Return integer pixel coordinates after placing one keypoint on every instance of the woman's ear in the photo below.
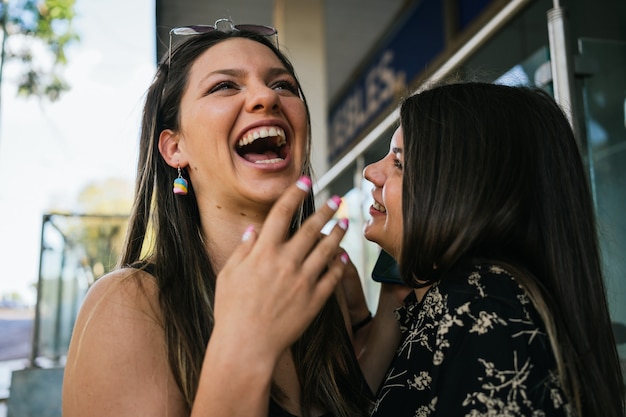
(169, 149)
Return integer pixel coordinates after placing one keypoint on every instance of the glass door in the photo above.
(602, 81)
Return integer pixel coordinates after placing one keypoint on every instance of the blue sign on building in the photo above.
(415, 41)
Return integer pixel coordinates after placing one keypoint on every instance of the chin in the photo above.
(379, 239)
(273, 185)
(270, 193)
(370, 234)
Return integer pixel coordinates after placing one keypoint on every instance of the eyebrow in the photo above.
(396, 150)
(240, 73)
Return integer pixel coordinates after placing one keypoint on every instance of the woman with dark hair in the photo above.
(484, 201)
(226, 121)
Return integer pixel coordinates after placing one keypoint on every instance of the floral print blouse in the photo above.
(475, 346)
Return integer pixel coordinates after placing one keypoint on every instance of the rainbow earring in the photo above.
(180, 184)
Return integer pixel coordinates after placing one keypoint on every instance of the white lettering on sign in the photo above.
(382, 82)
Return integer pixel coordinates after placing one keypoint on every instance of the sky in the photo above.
(50, 151)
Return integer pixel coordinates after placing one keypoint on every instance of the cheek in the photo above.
(395, 222)
(296, 114)
(395, 210)
(211, 116)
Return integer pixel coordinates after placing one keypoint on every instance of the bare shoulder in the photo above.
(126, 291)
(117, 362)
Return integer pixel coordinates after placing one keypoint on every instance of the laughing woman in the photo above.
(226, 121)
(484, 201)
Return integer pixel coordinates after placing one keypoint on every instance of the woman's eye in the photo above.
(224, 85)
(397, 163)
(286, 85)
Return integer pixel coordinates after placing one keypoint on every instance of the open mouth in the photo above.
(265, 145)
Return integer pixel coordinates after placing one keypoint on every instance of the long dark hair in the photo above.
(494, 172)
(325, 362)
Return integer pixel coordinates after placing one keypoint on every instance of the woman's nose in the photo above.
(373, 174)
(264, 98)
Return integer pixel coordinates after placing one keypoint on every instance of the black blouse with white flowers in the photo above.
(475, 346)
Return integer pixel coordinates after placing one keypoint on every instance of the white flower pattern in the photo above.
(475, 347)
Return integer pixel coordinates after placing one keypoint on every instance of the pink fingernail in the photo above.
(343, 223)
(334, 202)
(304, 183)
(345, 258)
(248, 233)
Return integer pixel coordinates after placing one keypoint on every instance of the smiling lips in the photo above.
(265, 145)
(379, 207)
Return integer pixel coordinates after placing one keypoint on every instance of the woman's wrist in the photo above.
(362, 323)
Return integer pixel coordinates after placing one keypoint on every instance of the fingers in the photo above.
(248, 234)
(279, 218)
(329, 280)
(325, 250)
(240, 253)
(305, 248)
(308, 236)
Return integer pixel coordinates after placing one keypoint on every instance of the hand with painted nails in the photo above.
(281, 282)
(275, 285)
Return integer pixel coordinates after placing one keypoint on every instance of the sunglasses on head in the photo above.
(222, 25)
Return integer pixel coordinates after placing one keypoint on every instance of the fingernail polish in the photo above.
(334, 202)
(304, 183)
(248, 233)
(343, 223)
(345, 258)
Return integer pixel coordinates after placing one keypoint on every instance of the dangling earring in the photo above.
(180, 184)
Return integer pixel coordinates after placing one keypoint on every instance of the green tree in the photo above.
(100, 230)
(32, 24)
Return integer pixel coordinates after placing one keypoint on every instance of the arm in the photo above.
(382, 336)
(116, 363)
(374, 343)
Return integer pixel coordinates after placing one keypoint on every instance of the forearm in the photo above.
(235, 381)
(378, 340)
(377, 345)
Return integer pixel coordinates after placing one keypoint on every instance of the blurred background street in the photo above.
(16, 328)
(16, 333)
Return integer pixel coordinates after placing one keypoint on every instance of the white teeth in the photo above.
(263, 133)
(269, 161)
(379, 207)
